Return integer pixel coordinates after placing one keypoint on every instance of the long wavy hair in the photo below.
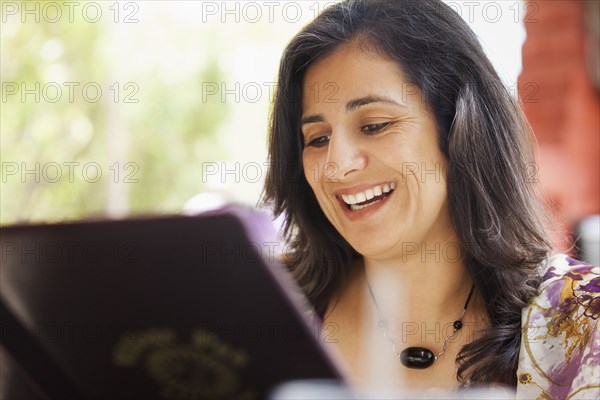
(484, 136)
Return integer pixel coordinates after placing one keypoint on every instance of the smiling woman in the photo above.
(393, 140)
(371, 130)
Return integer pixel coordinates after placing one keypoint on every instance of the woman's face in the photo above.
(371, 155)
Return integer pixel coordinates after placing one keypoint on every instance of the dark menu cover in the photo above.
(160, 308)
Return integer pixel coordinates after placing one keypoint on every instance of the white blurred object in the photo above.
(218, 194)
(332, 390)
(589, 232)
(202, 202)
(311, 389)
(501, 31)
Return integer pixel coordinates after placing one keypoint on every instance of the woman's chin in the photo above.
(373, 249)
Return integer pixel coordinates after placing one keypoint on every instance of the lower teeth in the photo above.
(356, 207)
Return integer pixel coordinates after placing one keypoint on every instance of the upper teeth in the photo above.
(368, 194)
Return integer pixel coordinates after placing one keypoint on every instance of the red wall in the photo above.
(563, 108)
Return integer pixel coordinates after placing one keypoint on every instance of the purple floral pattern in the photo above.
(560, 348)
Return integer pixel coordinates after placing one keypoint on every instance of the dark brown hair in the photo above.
(484, 136)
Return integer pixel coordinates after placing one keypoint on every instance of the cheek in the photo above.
(307, 171)
(312, 171)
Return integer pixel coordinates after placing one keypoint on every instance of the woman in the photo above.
(395, 148)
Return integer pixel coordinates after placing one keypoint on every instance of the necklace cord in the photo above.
(469, 297)
(382, 323)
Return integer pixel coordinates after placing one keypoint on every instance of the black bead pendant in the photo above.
(417, 357)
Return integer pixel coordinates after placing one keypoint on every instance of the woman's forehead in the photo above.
(350, 72)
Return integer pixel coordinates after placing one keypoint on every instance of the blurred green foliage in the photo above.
(148, 132)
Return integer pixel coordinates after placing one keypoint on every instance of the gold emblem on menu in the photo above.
(205, 368)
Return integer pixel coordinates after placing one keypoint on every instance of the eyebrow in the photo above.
(352, 105)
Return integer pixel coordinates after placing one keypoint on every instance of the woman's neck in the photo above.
(420, 303)
(430, 282)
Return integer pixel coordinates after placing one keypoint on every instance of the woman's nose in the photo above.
(345, 154)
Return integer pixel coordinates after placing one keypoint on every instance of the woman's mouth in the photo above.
(369, 197)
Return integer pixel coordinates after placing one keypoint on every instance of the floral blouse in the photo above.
(560, 347)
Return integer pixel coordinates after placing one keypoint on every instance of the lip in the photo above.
(359, 188)
(365, 212)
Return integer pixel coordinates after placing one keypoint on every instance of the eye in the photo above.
(319, 141)
(371, 129)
